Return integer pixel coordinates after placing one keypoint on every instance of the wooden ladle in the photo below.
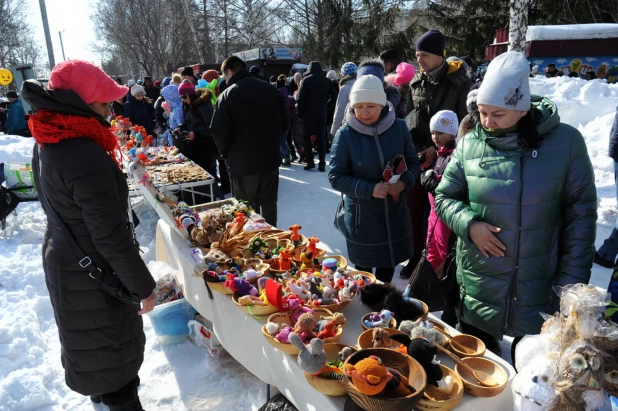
(483, 378)
(455, 343)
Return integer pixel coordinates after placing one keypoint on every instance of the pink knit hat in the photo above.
(87, 80)
(186, 88)
(404, 74)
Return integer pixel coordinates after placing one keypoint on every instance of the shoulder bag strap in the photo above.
(84, 261)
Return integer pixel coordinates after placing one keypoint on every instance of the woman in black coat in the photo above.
(102, 338)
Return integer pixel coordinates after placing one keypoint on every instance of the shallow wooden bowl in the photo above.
(255, 310)
(301, 249)
(284, 318)
(472, 386)
(425, 310)
(468, 341)
(343, 262)
(402, 363)
(392, 324)
(333, 388)
(283, 235)
(440, 401)
(366, 338)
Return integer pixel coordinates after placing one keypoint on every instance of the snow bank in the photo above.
(572, 32)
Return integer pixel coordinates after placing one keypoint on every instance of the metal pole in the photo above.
(62, 46)
(50, 49)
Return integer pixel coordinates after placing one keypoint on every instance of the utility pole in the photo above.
(62, 45)
(50, 49)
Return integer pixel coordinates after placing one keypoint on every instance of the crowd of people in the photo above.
(484, 181)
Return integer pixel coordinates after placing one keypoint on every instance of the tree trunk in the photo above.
(206, 53)
(226, 37)
(518, 25)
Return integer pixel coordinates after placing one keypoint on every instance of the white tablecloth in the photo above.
(241, 335)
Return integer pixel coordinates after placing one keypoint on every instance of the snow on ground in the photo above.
(184, 376)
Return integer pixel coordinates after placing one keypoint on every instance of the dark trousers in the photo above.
(384, 274)
(122, 396)
(317, 127)
(224, 176)
(262, 188)
(418, 206)
(203, 154)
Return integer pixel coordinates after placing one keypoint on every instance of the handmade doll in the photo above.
(304, 327)
(296, 239)
(312, 245)
(247, 300)
(383, 320)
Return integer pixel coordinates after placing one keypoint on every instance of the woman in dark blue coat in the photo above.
(377, 229)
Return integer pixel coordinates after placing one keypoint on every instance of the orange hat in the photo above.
(87, 80)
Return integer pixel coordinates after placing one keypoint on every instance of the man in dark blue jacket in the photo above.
(606, 255)
(15, 116)
(317, 94)
(249, 120)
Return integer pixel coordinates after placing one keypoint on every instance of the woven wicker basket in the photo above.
(437, 401)
(402, 363)
(255, 310)
(284, 318)
(333, 388)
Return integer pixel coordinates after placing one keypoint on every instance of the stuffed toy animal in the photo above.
(296, 308)
(304, 326)
(296, 239)
(531, 388)
(338, 318)
(385, 318)
(386, 296)
(217, 256)
(328, 291)
(306, 259)
(312, 359)
(315, 287)
(251, 274)
(248, 300)
(284, 334)
(240, 286)
(381, 338)
(297, 287)
(317, 301)
(425, 353)
(334, 368)
(371, 377)
(422, 329)
(285, 260)
(347, 293)
(329, 330)
(329, 264)
(312, 245)
(212, 277)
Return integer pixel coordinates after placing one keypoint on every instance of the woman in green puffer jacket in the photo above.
(519, 193)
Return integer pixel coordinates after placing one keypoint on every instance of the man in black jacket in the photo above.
(250, 118)
(317, 94)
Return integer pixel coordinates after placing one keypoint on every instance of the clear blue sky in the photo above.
(72, 15)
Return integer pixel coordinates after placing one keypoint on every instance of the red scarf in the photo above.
(48, 127)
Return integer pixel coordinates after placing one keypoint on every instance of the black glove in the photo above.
(429, 181)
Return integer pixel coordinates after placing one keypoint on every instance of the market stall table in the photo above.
(240, 334)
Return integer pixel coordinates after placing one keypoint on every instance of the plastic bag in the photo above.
(20, 175)
(203, 336)
(583, 298)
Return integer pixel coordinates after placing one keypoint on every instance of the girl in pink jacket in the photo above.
(443, 126)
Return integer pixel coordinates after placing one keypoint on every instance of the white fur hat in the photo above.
(505, 84)
(444, 121)
(367, 89)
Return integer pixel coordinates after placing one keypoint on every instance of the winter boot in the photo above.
(310, 166)
(286, 162)
(322, 166)
(95, 398)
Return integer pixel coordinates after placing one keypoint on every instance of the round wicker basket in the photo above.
(284, 318)
(405, 365)
(255, 310)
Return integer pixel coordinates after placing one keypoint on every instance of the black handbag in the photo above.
(108, 279)
(426, 286)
